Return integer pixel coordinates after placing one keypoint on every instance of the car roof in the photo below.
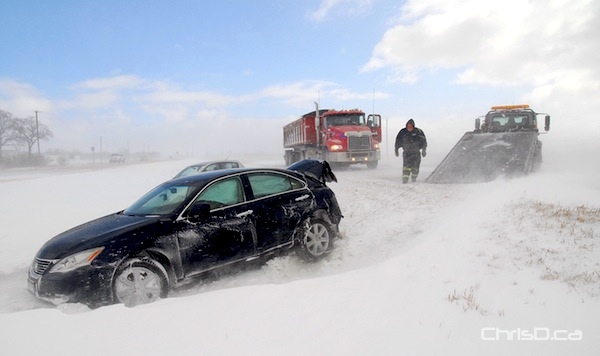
(206, 163)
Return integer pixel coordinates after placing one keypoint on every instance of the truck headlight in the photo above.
(336, 148)
(76, 260)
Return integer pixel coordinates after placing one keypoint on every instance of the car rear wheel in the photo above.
(316, 240)
(140, 281)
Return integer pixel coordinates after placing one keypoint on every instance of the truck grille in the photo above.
(359, 143)
(40, 266)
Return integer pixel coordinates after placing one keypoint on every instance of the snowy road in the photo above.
(420, 268)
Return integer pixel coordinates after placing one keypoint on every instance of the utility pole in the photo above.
(37, 133)
(373, 110)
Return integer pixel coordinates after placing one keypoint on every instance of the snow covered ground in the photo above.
(507, 267)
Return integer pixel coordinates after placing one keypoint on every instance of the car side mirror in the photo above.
(547, 123)
(198, 212)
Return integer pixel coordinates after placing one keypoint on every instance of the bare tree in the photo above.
(7, 133)
(29, 131)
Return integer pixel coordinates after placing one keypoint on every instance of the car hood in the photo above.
(92, 234)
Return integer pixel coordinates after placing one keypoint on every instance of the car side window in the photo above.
(222, 193)
(264, 184)
(230, 165)
(212, 167)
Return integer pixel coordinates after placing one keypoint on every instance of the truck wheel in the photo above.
(289, 158)
(340, 165)
(316, 240)
(537, 157)
(140, 280)
(372, 164)
(297, 157)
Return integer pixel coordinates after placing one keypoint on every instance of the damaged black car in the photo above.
(186, 227)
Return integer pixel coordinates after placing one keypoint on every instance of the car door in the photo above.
(224, 234)
(279, 203)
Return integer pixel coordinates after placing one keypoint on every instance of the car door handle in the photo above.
(245, 213)
(303, 197)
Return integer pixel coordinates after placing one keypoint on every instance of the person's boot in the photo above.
(405, 175)
(414, 178)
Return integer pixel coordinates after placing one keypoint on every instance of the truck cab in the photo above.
(351, 136)
(510, 118)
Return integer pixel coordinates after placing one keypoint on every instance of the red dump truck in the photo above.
(341, 137)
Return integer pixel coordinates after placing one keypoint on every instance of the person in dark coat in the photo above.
(414, 144)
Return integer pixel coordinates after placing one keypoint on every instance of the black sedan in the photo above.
(186, 227)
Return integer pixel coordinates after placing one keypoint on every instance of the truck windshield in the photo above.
(509, 121)
(343, 120)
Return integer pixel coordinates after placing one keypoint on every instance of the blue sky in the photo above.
(220, 78)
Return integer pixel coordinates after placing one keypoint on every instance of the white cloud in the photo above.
(111, 83)
(544, 53)
(191, 97)
(96, 100)
(346, 7)
(492, 43)
(21, 99)
(130, 111)
(305, 92)
(297, 93)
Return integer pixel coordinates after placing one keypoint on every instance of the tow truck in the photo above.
(505, 143)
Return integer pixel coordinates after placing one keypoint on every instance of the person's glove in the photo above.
(423, 152)
(396, 153)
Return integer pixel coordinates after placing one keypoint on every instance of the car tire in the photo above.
(316, 239)
(139, 280)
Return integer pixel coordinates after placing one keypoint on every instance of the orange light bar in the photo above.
(510, 107)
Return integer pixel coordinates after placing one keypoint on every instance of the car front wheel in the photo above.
(140, 281)
(316, 240)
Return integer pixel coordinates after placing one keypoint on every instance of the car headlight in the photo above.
(77, 260)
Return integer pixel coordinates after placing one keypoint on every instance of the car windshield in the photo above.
(191, 170)
(162, 200)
